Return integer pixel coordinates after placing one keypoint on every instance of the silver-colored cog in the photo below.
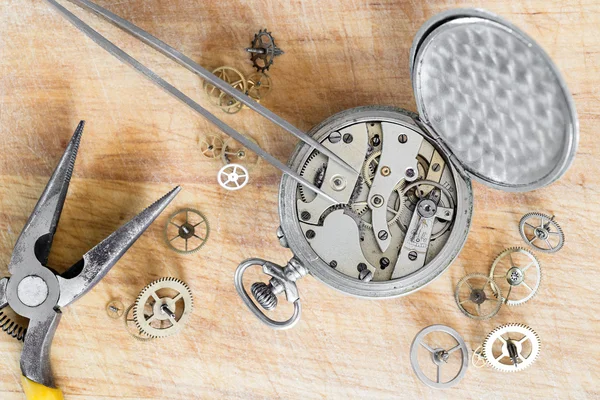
(511, 270)
(482, 305)
(439, 357)
(541, 232)
(163, 307)
(511, 347)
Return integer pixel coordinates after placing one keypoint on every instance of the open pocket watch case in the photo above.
(492, 107)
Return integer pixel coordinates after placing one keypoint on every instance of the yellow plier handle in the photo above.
(37, 391)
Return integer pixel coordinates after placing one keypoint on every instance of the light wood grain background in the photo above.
(139, 143)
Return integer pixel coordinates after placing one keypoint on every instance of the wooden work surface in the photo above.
(139, 143)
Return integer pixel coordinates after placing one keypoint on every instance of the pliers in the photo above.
(38, 293)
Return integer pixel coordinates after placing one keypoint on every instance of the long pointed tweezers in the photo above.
(212, 79)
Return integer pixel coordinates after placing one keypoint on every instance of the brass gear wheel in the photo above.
(131, 326)
(259, 86)
(511, 347)
(211, 146)
(186, 231)
(221, 99)
(163, 307)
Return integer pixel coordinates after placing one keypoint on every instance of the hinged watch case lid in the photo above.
(494, 99)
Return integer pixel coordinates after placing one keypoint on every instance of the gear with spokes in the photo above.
(131, 326)
(263, 50)
(259, 86)
(187, 230)
(511, 347)
(211, 146)
(233, 177)
(439, 356)
(163, 307)
(518, 273)
(541, 232)
(477, 296)
(221, 99)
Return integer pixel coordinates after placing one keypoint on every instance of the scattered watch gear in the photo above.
(233, 177)
(221, 99)
(259, 86)
(263, 50)
(478, 296)
(163, 307)
(235, 153)
(439, 356)
(13, 324)
(541, 232)
(211, 146)
(511, 347)
(517, 273)
(131, 326)
(115, 309)
(187, 230)
(477, 358)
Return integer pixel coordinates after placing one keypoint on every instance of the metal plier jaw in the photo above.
(38, 293)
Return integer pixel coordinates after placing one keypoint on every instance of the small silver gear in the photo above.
(511, 347)
(439, 356)
(163, 307)
(186, 231)
(541, 232)
(512, 270)
(482, 305)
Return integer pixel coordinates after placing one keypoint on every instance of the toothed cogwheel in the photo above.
(518, 273)
(476, 296)
(511, 347)
(541, 232)
(263, 50)
(186, 231)
(163, 307)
